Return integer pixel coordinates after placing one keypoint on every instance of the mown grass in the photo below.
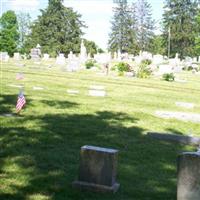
(39, 150)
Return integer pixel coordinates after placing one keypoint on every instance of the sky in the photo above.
(97, 14)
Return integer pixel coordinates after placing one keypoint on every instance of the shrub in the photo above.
(90, 63)
(146, 62)
(123, 67)
(168, 77)
(144, 71)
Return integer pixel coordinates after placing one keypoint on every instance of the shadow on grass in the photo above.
(42, 162)
(59, 104)
(8, 103)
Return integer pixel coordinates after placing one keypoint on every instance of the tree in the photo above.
(122, 36)
(57, 30)
(156, 45)
(179, 18)
(24, 23)
(197, 38)
(9, 36)
(145, 24)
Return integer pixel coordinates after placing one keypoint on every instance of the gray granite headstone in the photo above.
(188, 185)
(98, 169)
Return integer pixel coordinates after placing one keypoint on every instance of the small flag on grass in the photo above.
(19, 76)
(21, 101)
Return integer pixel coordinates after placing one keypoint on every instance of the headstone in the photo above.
(157, 59)
(73, 92)
(97, 93)
(60, 60)
(17, 56)
(45, 57)
(37, 88)
(185, 104)
(4, 56)
(83, 54)
(73, 65)
(35, 54)
(98, 169)
(188, 184)
(193, 117)
(165, 69)
(70, 55)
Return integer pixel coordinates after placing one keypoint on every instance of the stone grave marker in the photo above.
(72, 92)
(45, 57)
(17, 56)
(60, 60)
(98, 169)
(193, 117)
(185, 104)
(73, 65)
(188, 184)
(37, 88)
(35, 54)
(4, 56)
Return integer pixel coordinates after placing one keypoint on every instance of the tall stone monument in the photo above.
(83, 54)
(98, 169)
(36, 53)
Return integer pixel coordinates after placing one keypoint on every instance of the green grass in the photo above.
(39, 150)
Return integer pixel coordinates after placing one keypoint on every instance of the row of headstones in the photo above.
(98, 171)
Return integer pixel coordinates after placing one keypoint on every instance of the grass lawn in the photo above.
(39, 150)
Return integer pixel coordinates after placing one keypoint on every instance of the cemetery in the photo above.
(79, 122)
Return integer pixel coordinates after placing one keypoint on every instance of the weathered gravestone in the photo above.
(98, 169)
(4, 56)
(35, 54)
(17, 56)
(60, 60)
(188, 184)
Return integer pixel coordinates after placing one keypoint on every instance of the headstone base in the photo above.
(95, 187)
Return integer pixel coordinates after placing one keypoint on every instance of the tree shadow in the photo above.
(59, 104)
(48, 157)
(8, 103)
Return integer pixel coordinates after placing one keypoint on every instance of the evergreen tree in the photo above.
(122, 36)
(57, 30)
(145, 24)
(157, 45)
(24, 23)
(9, 36)
(179, 18)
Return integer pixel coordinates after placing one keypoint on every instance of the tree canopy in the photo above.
(9, 36)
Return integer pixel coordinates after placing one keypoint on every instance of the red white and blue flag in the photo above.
(21, 101)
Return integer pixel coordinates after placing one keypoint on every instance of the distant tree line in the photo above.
(59, 29)
(133, 28)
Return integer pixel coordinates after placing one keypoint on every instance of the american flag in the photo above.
(21, 101)
(19, 76)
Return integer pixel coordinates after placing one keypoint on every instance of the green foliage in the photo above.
(57, 30)
(91, 47)
(146, 62)
(179, 16)
(144, 71)
(9, 36)
(145, 25)
(122, 36)
(168, 77)
(123, 67)
(24, 22)
(157, 45)
(90, 63)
